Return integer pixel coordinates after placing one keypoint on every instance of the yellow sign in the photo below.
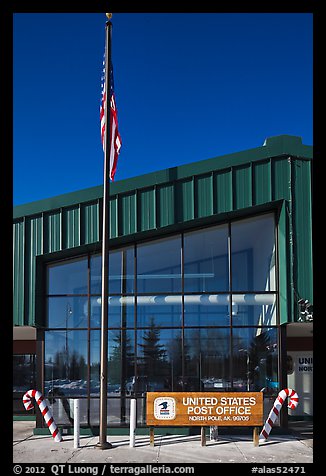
(204, 408)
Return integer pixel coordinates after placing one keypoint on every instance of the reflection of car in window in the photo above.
(143, 384)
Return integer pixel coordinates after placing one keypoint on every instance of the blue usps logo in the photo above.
(164, 408)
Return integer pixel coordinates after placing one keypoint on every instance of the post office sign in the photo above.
(204, 408)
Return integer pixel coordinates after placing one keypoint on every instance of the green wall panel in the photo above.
(223, 191)
(127, 214)
(89, 222)
(52, 232)
(165, 207)
(303, 224)
(113, 217)
(204, 195)
(262, 183)
(146, 209)
(34, 247)
(71, 227)
(18, 272)
(184, 201)
(242, 187)
(281, 179)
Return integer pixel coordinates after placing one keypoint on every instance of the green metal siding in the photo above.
(222, 185)
(242, 187)
(184, 193)
(281, 179)
(303, 224)
(262, 191)
(89, 222)
(71, 227)
(147, 209)
(204, 195)
(165, 207)
(18, 272)
(128, 214)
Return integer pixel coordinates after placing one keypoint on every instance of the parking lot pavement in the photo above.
(30, 448)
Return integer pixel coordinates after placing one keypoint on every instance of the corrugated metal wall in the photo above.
(160, 205)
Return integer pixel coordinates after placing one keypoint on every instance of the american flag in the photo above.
(115, 139)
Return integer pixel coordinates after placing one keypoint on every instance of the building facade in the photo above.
(210, 286)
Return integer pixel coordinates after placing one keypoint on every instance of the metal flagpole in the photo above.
(103, 443)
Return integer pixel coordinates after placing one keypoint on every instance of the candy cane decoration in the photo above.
(273, 414)
(44, 409)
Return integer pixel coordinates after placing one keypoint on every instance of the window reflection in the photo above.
(65, 363)
(255, 360)
(158, 360)
(120, 312)
(207, 312)
(160, 309)
(68, 277)
(121, 272)
(159, 266)
(206, 260)
(253, 254)
(67, 312)
(207, 360)
(254, 309)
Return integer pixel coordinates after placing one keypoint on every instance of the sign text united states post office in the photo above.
(204, 408)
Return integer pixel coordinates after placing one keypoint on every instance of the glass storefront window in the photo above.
(207, 360)
(206, 260)
(255, 359)
(159, 266)
(67, 312)
(68, 277)
(120, 312)
(253, 309)
(121, 360)
(164, 311)
(158, 360)
(121, 272)
(253, 254)
(65, 363)
(183, 321)
(206, 310)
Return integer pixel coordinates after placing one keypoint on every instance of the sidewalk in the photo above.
(295, 447)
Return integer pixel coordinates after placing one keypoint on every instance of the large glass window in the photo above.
(183, 315)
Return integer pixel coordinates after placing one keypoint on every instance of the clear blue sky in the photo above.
(189, 86)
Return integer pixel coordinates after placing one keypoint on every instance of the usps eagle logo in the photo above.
(164, 408)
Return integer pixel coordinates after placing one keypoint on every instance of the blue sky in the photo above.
(189, 86)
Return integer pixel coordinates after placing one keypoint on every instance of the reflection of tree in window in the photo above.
(263, 362)
(121, 359)
(154, 358)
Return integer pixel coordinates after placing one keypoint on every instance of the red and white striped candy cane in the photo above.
(44, 409)
(273, 414)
